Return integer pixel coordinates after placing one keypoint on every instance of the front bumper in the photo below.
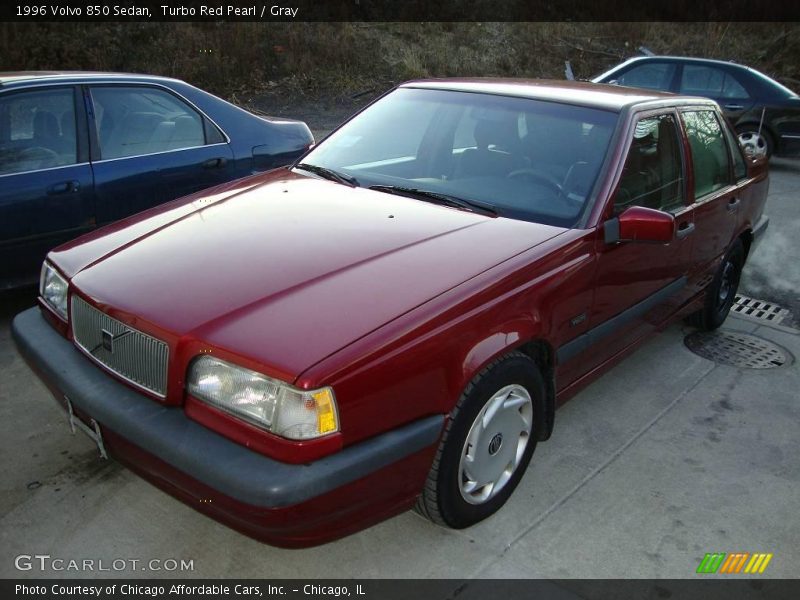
(279, 503)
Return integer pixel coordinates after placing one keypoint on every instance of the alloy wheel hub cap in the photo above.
(755, 143)
(495, 444)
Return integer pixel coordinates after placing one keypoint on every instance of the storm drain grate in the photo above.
(759, 309)
(737, 349)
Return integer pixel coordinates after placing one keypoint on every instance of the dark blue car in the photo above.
(78, 150)
(765, 113)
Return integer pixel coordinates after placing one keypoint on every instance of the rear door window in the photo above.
(739, 166)
(731, 88)
(37, 130)
(710, 158)
(134, 121)
(698, 80)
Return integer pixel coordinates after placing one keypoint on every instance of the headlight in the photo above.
(262, 401)
(53, 290)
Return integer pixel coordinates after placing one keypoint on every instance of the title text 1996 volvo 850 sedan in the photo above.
(393, 320)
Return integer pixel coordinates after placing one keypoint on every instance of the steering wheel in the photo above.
(547, 180)
(550, 182)
(45, 156)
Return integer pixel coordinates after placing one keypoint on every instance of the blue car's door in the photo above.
(46, 186)
(717, 84)
(150, 145)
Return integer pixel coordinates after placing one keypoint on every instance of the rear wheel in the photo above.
(722, 291)
(487, 444)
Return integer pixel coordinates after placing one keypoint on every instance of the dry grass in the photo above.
(337, 60)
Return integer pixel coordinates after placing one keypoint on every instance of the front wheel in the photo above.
(721, 293)
(487, 444)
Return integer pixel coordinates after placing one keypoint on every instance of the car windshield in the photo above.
(519, 158)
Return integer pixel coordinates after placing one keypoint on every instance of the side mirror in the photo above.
(640, 224)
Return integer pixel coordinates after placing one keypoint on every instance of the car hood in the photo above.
(286, 272)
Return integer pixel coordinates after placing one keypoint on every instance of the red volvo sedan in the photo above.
(392, 321)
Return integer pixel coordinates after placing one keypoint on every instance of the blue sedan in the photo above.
(78, 150)
(765, 113)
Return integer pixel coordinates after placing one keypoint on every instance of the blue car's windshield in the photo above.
(526, 159)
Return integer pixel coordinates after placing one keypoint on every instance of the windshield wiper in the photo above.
(329, 174)
(437, 198)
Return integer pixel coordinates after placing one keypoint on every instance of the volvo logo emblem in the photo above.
(495, 443)
(107, 340)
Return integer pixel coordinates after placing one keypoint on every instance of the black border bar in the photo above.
(397, 10)
(699, 588)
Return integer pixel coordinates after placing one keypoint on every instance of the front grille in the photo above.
(134, 356)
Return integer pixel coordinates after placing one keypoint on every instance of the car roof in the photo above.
(754, 75)
(687, 60)
(580, 93)
(9, 78)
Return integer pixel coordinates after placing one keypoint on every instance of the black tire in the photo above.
(441, 500)
(750, 131)
(722, 291)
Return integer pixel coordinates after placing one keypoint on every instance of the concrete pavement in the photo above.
(774, 272)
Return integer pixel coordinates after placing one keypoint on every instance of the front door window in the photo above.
(651, 76)
(37, 130)
(653, 174)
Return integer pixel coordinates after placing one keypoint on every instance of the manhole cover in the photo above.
(737, 349)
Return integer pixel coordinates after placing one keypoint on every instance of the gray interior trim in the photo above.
(583, 341)
(167, 433)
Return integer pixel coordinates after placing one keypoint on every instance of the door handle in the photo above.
(684, 229)
(64, 187)
(734, 106)
(733, 204)
(214, 163)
